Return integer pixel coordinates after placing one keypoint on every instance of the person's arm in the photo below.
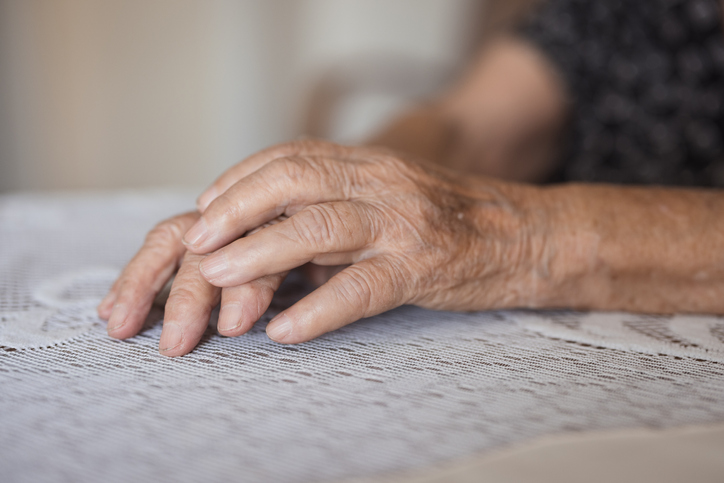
(653, 250)
(504, 118)
(417, 234)
(411, 233)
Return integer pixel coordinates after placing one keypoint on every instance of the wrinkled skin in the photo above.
(376, 229)
(391, 231)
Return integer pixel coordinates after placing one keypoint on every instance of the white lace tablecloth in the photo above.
(402, 390)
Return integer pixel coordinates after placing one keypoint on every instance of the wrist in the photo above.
(537, 248)
(563, 250)
(520, 247)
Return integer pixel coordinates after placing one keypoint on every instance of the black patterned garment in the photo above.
(646, 80)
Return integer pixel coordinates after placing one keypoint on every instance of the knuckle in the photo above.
(315, 228)
(220, 185)
(395, 169)
(345, 178)
(168, 232)
(184, 296)
(136, 275)
(356, 288)
(135, 292)
(271, 282)
(292, 168)
(226, 208)
(316, 172)
(398, 279)
(181, 296)
(265, 293)
(263, 299)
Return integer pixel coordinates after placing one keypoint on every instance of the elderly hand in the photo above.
(410, 234)
(407, 234)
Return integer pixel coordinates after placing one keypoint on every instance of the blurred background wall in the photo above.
(114, 94)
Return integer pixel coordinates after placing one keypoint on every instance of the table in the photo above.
(399, 391)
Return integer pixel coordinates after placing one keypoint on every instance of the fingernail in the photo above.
(171, 337)
(213, 265)
(279, 328)
(197, 234)
(118, 318)
(206, 198)
(230, 317)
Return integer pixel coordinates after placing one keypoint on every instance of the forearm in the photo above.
(503, 118)
(650, 250)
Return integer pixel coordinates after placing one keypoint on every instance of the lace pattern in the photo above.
(405, 389)
(680, 336)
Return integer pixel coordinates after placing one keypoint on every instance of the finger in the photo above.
(364, 289)
(283, 186)
(145, 275)
(188, 309)
(243, 305)
(105, 308)
(302, 147)
(329, 233)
